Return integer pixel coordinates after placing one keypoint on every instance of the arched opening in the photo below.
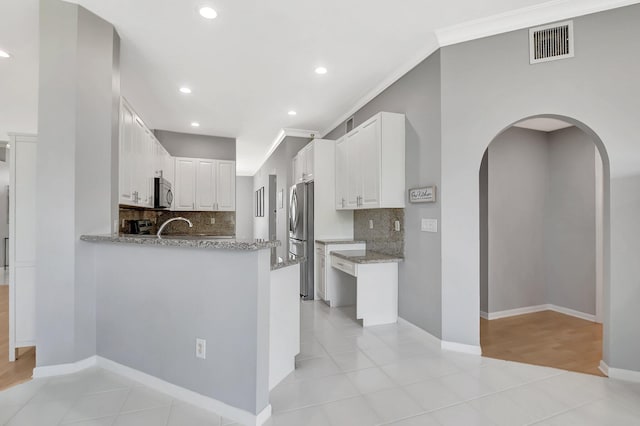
(543, 204)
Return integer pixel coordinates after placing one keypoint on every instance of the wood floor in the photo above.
(545, 338)
(12, 373)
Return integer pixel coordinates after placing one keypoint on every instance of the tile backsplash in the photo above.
(225, 222)
(383, 237)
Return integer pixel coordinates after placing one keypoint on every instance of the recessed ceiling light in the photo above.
(195, 124)
(4, 54)
(185, 90)
(292, 113)
(321, 70)
(208, 12)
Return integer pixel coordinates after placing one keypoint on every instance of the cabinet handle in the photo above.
(343, 202)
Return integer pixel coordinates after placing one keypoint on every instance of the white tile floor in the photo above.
(347, 375)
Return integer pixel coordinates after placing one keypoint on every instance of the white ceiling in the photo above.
(256, 61)
(543, 124)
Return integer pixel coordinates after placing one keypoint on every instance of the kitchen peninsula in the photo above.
(155, 297)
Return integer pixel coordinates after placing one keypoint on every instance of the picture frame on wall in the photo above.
(425, 194)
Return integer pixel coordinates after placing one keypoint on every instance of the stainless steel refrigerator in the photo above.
(301, 241)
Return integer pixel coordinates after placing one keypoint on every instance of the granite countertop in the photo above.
(197, 241)
(339, 241)
(288, 262)
(366, 256)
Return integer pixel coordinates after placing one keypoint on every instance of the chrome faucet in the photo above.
(172, 220)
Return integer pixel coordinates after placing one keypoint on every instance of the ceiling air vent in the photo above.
(551, 42)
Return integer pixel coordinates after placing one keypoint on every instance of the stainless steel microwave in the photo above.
(162, 195)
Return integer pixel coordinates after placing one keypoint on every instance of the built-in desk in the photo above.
(376, 284)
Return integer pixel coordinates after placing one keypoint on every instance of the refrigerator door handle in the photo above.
(293, 220)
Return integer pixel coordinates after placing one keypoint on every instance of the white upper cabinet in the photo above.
(185, 187)
(341, 173)
(226, 185)
(370, 164)
(127, 155)
(205, 185)
(302, 165)
(141, 159)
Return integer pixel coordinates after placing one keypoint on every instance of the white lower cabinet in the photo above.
(331, 285)
(321, 287)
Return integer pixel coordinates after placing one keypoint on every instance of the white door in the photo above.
(354, 167)
(22, 242)
(341, 174)
(185, 189)
(127, 154)
(205, 184)
(226, 185)
(369, 146)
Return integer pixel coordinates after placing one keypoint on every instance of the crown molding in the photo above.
(431, 47)
(282, 134)
(544, 13)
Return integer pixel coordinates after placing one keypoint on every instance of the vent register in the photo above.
(551, 42)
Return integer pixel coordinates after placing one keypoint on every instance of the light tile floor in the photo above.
(347, 375)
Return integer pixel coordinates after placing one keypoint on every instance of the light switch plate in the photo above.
(397, 225)
(201, 348)
(429, 225)
(213, 220)
(370, 224)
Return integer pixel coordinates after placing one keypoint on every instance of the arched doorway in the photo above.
(542, 207)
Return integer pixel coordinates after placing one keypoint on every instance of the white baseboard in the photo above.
(604, 368)
(444, 345)
(573, 313)
(517, 311)
(619, 373)
(186, 395)
(62, 369)
(537, 308)
(461, 347)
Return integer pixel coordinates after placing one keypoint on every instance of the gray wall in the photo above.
(540, 221)
(147, 322)
(596, 90)
(518, 180)
(244, 207)
(197, 146)
(75, 173)
(570, 231)
(417, 95)
(279, 164)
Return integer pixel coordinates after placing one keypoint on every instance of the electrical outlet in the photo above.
(370, 224)
(201, 348)
(429, 225)
(397, 225)
(213, 220)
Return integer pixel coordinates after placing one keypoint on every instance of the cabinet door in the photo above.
(369, 153)
(341, 173)
(297, 168)
(127, 154)
(185, 190)
(320, 277)
(226, 186)
(139, 171)
(354, 170)
(307, 174)
(149, 163)
(205, 184)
